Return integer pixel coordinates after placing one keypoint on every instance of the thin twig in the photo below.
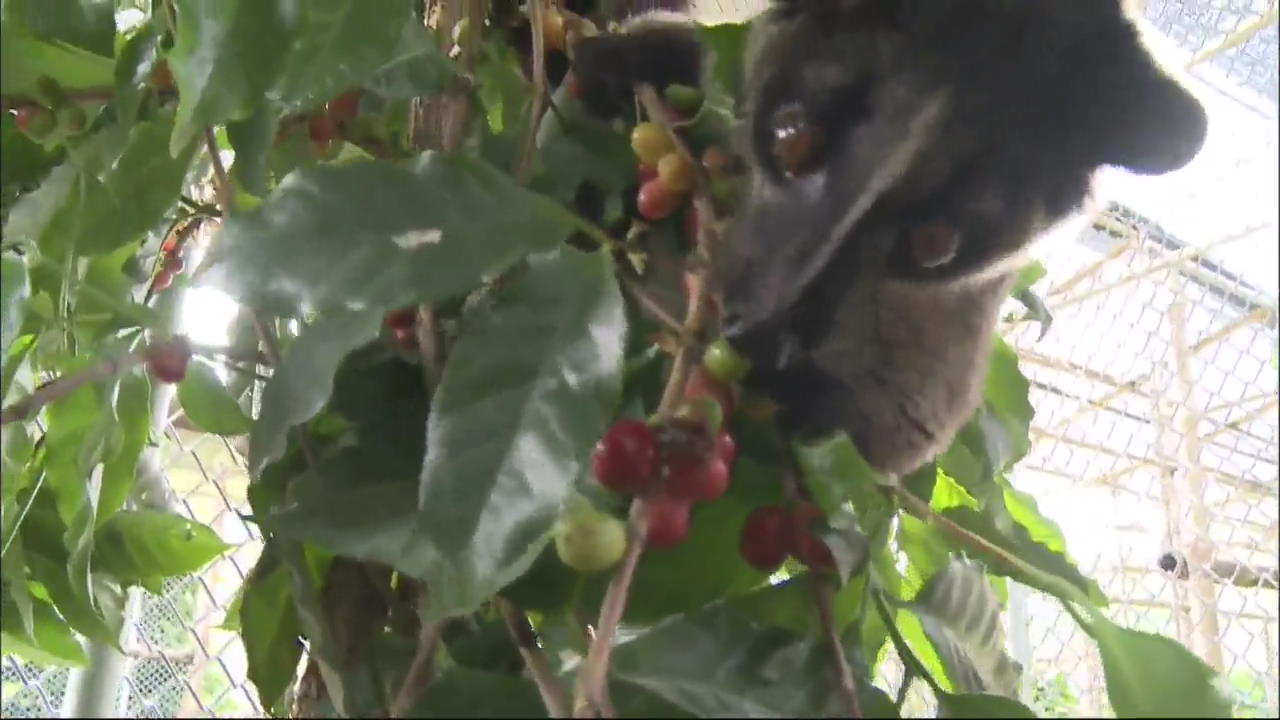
(221, 183)
(537, 11)
(553, 694)
(429, 347)
(651, 305)
(58, 388)
(824, 598)
(905, 653)
(420, 670)
(590, 695)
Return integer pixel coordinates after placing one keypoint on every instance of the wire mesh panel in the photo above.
(1155, 445)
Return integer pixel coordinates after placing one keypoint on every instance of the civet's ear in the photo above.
(1147, 122)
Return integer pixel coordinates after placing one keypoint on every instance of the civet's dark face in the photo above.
(926, 140)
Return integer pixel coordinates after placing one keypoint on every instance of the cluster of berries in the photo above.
(679, 462)
(325, 125)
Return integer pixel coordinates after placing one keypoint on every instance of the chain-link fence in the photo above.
(183, 662)
(1155, 448)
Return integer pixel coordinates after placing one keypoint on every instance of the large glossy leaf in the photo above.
(564, 315)
(1009, 406)
(269, 627)
(338, 44)
(52, 641)
(835, 473)
(375, 235)
(23, 59)
(151, 543)
(208, 404)
(301, 384)
(78, 425)
(74, 604)
(961, 615)
(223, 62)
(1154, 676)
(132, 428)
(418, 67)
(252, 138)
(135, 59)
(462, 692)
(996, 526)
(529, 388)
(716, 663)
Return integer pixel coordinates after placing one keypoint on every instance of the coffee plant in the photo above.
(501, 461)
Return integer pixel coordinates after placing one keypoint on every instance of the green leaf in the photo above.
(14, 290)
(31, 216)
(103, 208)
(135, 60)
(74, 604)
(23, 59)
(87, 24)
(576, 152)
(269, 628)
(1037, 310)
(981, 705)
(716, 663)
(727, 44)
(317, 50)
(961, 616)
(1028, 276)
(208, 404)
(300, 385)
(529, 388)
(225, 57)
(52, 641)
(995, 525)
(132, 428)
(1008, 403)
(1154, 676)
(789, 604)
(78, 425)
(374, 235)
(336, 45)
(926, 549)
(948, 494)
(461, 692)
(151, 543)
(418, 67)
(835, 472)
(251, 139)
(104, 303)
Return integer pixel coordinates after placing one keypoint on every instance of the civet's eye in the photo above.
(933, 244)
(796, 140)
